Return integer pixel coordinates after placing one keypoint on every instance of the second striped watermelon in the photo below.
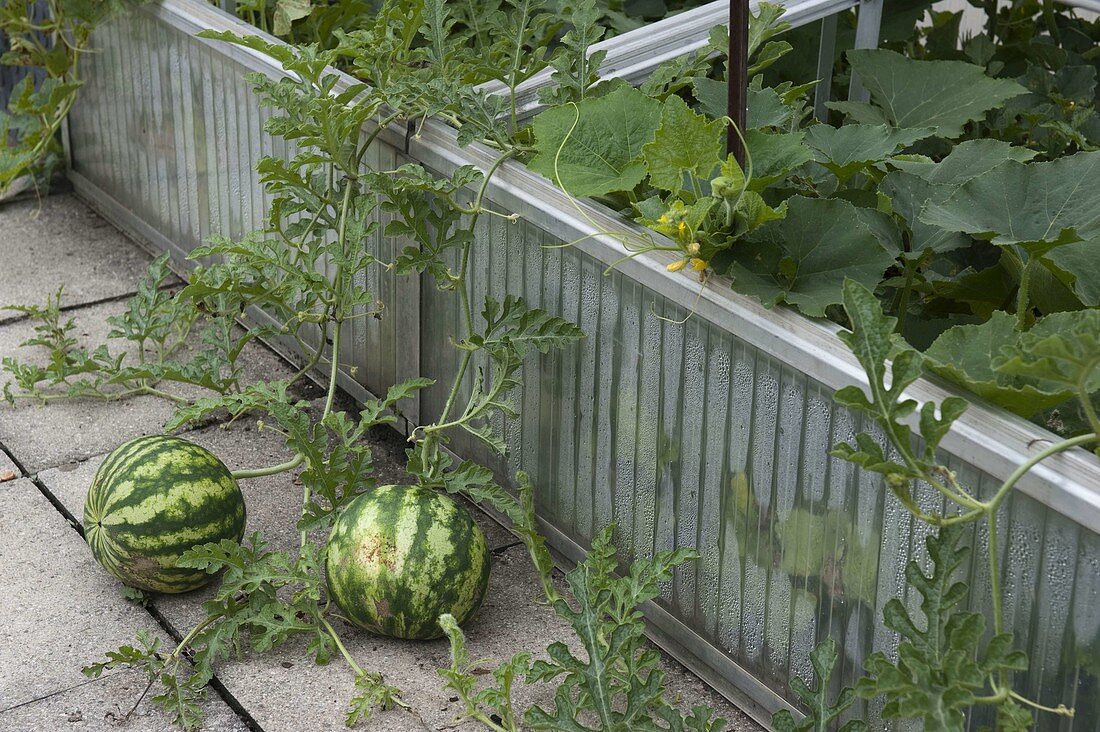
(400, 556)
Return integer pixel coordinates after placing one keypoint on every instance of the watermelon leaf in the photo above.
(1063, 348)
(371, 693)
(180, 696)
(941, 667)
(822, 711)
(886, 358)
(462, 678)
(618, 683)
(965, 354)
(511, 330)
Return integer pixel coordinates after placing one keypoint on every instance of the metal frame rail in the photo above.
(634, 55)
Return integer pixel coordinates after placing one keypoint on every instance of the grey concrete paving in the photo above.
(67, 431)
(81, 251)
(103, 705)
(60, 616)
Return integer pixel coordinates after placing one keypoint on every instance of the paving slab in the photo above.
(60, 616)
(66, 431)
(60, 241)
(103, 705)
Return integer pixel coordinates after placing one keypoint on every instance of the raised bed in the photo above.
(656, 425)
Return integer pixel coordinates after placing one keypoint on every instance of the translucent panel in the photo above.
(12, 75)
(169, 129)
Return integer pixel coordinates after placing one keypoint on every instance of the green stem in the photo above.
(1051, 21)
(475, 209)
(463, 290)
(906, 292)
(186, 641)
(382, 124)
(359, 671)
(1023, 469)
(1060, 709)
(272, 470)
(316, 357)
(162, 394)
(995, 576)
(334, 369)
(1086, 402)
(343, 649)
(901, 441)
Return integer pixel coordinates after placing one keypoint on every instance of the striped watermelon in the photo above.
(401, 556)
(154, 498)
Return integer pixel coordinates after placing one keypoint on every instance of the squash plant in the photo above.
(966, 241)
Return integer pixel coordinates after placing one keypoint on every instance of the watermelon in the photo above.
(401, 556)
(154, 498)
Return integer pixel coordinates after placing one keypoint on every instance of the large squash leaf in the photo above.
(1039, 209)
(764, 106)
(909, 195)
(774, 155)
(965, 161)
(288, 11)
(595, 147)
(909, 93)
(1026, 204)
(847, 149)
(965, 354)
(1081, 262)
(685, 142)
(804, 259)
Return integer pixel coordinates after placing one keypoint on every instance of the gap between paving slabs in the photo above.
(65, 615)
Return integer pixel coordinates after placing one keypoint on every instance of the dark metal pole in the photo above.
(738, 76)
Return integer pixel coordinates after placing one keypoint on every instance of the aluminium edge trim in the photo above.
(989, 438)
